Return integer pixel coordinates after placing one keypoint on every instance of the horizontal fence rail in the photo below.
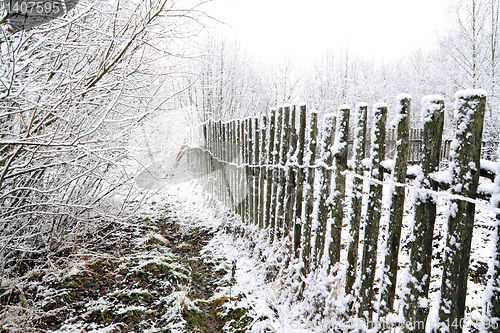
(285, 172)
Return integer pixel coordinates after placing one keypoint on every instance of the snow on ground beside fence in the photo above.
(269, 287)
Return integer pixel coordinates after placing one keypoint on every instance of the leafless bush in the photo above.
(71, 91)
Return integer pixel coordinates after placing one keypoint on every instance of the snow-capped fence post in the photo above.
(309, 189)
(241, 190)
(248, 156)
(469, 111)
(359, 149)
(262, 162)
(325, 180)
(223, 162)
(298, 221)
(224, 143)
(204, 153)
(242, 169)
(236, 160)
(203, 165)
(270, 170)
(235, 169)
(491, 311)
(211, 144)
(244, 144)
(415, 306)
(373, 214)
(396, 208)
(256, 169)
(250, 169)
(338, 196)
(276, 173)
(284, 141)
(217, 160)
(227, 172)
(231, 168)
(290, 176)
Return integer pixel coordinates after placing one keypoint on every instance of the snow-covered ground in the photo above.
(269, 282)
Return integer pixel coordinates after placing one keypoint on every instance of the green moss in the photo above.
(131, 316)
(195, 320)
(237, 319)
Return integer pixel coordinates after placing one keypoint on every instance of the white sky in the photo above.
(305, 29)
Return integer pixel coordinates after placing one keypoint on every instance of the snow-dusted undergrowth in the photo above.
(286, 302)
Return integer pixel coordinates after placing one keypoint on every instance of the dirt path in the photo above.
(149, 276)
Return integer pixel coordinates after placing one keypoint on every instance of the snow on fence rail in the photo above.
(266, 169)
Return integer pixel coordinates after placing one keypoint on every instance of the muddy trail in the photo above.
(147, 276)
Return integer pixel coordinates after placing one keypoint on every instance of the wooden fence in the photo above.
(266, 169)
(415, 145)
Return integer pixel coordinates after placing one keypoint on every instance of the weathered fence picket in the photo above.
(373, 213)
(396, 208)
(250, 169)
(360, 118)
(290, 175)
(415, 306)
(262, 181)
(270, 171)
(299, 195)
(338, 195)
(310, 160)
(491, 312)
(469, 109)
(256, 170)
(265, 169)
(276, 172)
(282, 159)
(325, 181)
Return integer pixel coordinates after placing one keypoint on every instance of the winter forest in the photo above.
(157, 176)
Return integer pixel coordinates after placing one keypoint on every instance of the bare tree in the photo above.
(71, 91)
(226, 81)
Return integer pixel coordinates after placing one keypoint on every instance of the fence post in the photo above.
(240, 175)
(491, 311)
(227, 171)
(309, 189)
(425, 215)
(256, 170)
(208, 155)
(359, 145)
(246, 171)
(227, 167)
(222, 157)
(234, 170)
(213, 159)
(325, 180)
(396, 208)
(469, 110)
(221, 162)
(372, 220)
(276, 173)
(337, 212)
(282, 159)
(297, 228)
(204, 165)
(262, 161)
(270, 171)
(290, 180)
(217, 159)
(250, 169)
